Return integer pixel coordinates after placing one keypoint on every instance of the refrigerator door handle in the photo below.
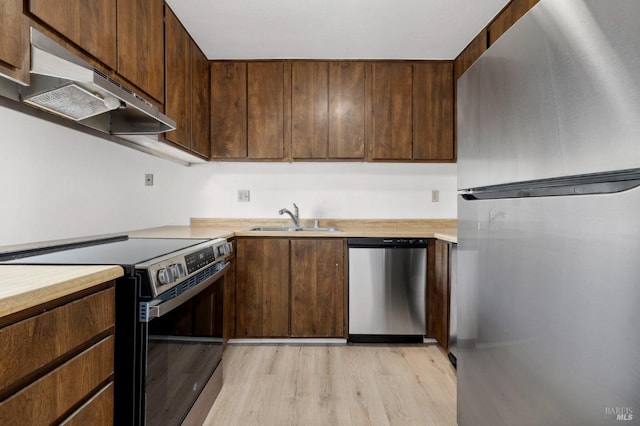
(597, 183)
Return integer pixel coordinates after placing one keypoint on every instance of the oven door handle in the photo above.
(151, 310)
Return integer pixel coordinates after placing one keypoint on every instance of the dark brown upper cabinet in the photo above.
(332, 110)
(248, 110)
(178, 75)
(200, 102)
(141, 44)
(346, 110)
(187, 89)
(433, 104)
(125, 35)
(89, 24)
(391, 111)
(309, 109)
(265, 110)
(228, 110)
(327, 110)
(14, 36)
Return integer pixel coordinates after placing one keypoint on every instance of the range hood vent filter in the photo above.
(71, 101)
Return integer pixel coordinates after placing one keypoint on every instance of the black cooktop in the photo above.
(123, 251)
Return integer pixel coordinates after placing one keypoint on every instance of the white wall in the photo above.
(60, 183)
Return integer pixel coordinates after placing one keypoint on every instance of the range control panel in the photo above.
(200, 259)
(167, 272)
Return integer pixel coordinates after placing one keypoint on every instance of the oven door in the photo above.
(182, 349)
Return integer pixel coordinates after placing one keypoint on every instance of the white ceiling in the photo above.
(334, 29)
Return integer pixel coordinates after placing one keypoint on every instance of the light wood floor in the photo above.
(335, 385)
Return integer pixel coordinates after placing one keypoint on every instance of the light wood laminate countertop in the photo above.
(444, 229)
(25, 286)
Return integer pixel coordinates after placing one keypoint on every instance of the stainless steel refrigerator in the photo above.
(548, 303)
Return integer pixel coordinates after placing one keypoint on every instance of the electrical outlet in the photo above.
(435, 196)
(243, 195)
(148, 179)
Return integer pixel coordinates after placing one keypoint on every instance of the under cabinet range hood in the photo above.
(66, 85)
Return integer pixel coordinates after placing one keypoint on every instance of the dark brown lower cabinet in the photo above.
(290, 288)
(57, 362)
(317, 288)
(262, 285)
(438, 291)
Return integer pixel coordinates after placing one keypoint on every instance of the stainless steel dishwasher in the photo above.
(387, 290)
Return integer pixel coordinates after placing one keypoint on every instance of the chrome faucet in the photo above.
(294, 216)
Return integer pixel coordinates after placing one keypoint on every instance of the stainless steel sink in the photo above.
(293, 228)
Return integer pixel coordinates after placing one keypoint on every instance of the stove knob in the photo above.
(178, 270)
(165, 276)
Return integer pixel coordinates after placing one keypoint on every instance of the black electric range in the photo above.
(169, 306)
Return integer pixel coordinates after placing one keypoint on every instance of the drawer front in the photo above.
(34, 342)
(49, 398)
(97, 411)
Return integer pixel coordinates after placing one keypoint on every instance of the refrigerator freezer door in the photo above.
(557, 95)
(548, 310)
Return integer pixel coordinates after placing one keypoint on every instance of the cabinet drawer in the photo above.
(49, 398)
(34, 342)
(97, 411)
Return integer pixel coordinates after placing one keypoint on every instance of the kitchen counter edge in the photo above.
(26, 286)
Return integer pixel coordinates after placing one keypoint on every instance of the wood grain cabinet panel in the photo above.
(507, 17)
(317, 288)
(433, 105)
(14, 36)
(178, 75)
(97, 411)
(438, 293)
(90, 24)
(262, 285)
(471, 53)
(327, 110)
(200, 102)
(187, 89)
(309, 109)
(228, 109)
(346, 110)
(46, 400)
(141, 44)
(265, 110)
(34, 342)
(391, 133)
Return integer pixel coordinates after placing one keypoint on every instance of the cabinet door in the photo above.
(178, 75)
(90, 24)
(265, 110)
(262, 285)
(317, 288)
(346, 110)
(309, 109)
(140, 44)
(14, 36)
(391, 111)
(438, 296)
(433, 111)
(200, 103)
(228, 109)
